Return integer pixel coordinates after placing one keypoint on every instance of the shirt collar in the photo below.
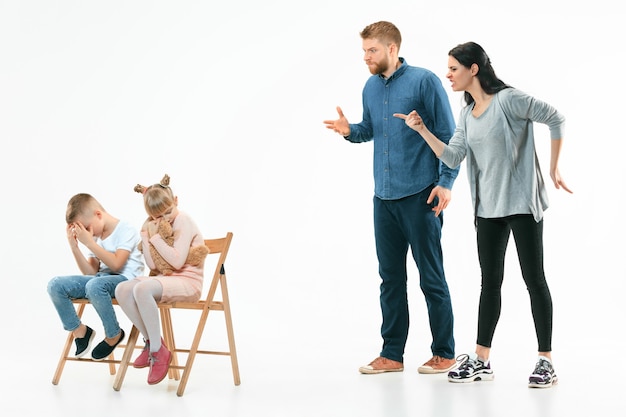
(398, 72)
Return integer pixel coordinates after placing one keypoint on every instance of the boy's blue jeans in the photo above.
(398, 225)
(99, 289)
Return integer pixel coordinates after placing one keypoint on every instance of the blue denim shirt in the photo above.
(404, 165)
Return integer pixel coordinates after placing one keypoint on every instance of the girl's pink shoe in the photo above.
(159, 365)
(143, 360)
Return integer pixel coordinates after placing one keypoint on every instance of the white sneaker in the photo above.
(471, 369)
(543, 376)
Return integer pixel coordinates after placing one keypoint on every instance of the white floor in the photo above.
(309, 389)
(305, 385)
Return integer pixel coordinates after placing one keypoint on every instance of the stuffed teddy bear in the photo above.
(195, 257)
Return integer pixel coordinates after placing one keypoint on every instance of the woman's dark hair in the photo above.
(472, 53)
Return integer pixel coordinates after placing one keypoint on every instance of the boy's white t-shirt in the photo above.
(125, 236)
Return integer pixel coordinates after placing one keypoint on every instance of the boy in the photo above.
(113, 257)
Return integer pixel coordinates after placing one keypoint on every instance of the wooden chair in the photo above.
(80, 304)
(218, 247)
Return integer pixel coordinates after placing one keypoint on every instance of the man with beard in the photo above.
(411, 189)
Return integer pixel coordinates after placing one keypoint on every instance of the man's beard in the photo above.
(379, 68)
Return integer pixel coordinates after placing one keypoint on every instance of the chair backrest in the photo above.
(217, 246)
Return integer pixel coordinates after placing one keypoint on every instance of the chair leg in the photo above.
(231, 334)
(66, 349)
(112, 364)
(192, 353)
(168, 337)
(126, 358)
(62, 360)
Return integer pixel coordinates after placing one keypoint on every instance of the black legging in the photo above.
(492, 238)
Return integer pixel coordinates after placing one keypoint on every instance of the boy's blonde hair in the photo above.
(81, 204)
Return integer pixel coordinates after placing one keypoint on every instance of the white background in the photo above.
(229, 99)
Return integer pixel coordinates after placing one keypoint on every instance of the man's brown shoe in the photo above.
(380, 365)
(437, 365)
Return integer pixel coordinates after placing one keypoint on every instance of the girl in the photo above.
(138, 298)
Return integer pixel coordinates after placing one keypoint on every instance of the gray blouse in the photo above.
(503, 170)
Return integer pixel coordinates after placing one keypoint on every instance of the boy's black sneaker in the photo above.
(103, 349)
(83, 343)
